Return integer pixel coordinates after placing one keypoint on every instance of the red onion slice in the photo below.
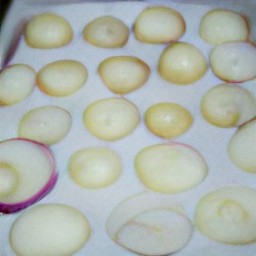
(25, 161)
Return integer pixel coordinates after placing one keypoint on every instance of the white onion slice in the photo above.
(242, 147)
(234, 61)
(228, 105)
(16, 83)
(28, 170)
(62, 78)
(149, 224)
(46, 124)
(159, 24)
(95, 167)
(228, 215)
(170, 168)
(48, 30)
(123, 74)
(49, 229)
(168, 120)
(220, 26)
(182, 63)
(106, 32)
(111, 118)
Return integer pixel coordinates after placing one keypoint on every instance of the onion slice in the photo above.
(27, 168)
(182, 63)
(228, 215)
(219, 26)
(116, 71)
(62, 78)
(234, 61)
(242, 147)
(167, 119)
(17, 82)
(111, 119)
(45, 124)
(48, 31)
(49, 229)
(170, 168)
(106, 32)
(149, 224)
(95, 167)
(159, 24)
(228, 105)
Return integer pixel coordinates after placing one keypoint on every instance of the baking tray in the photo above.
(210, 141)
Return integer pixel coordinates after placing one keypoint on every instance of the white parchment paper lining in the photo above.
(209, 140)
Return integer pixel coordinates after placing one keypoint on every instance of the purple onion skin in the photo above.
(7, 208)
(16, 38)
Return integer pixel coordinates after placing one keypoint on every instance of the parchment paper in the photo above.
(209, 140)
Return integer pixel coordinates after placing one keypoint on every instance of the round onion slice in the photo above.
(116, 71)
(47, 31)
(62, 78)
(168, 120)
(220, 26)
(228, 215)
(228, 105)
(16, 83)
(182, 63)
(95, 167)
(170, 168)
(111, 118)
(106, 32)
(149, 224)
(45, 124)
(159, 24)
(49, 229)
(27, 168)
(234, 61)
(242, 147)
